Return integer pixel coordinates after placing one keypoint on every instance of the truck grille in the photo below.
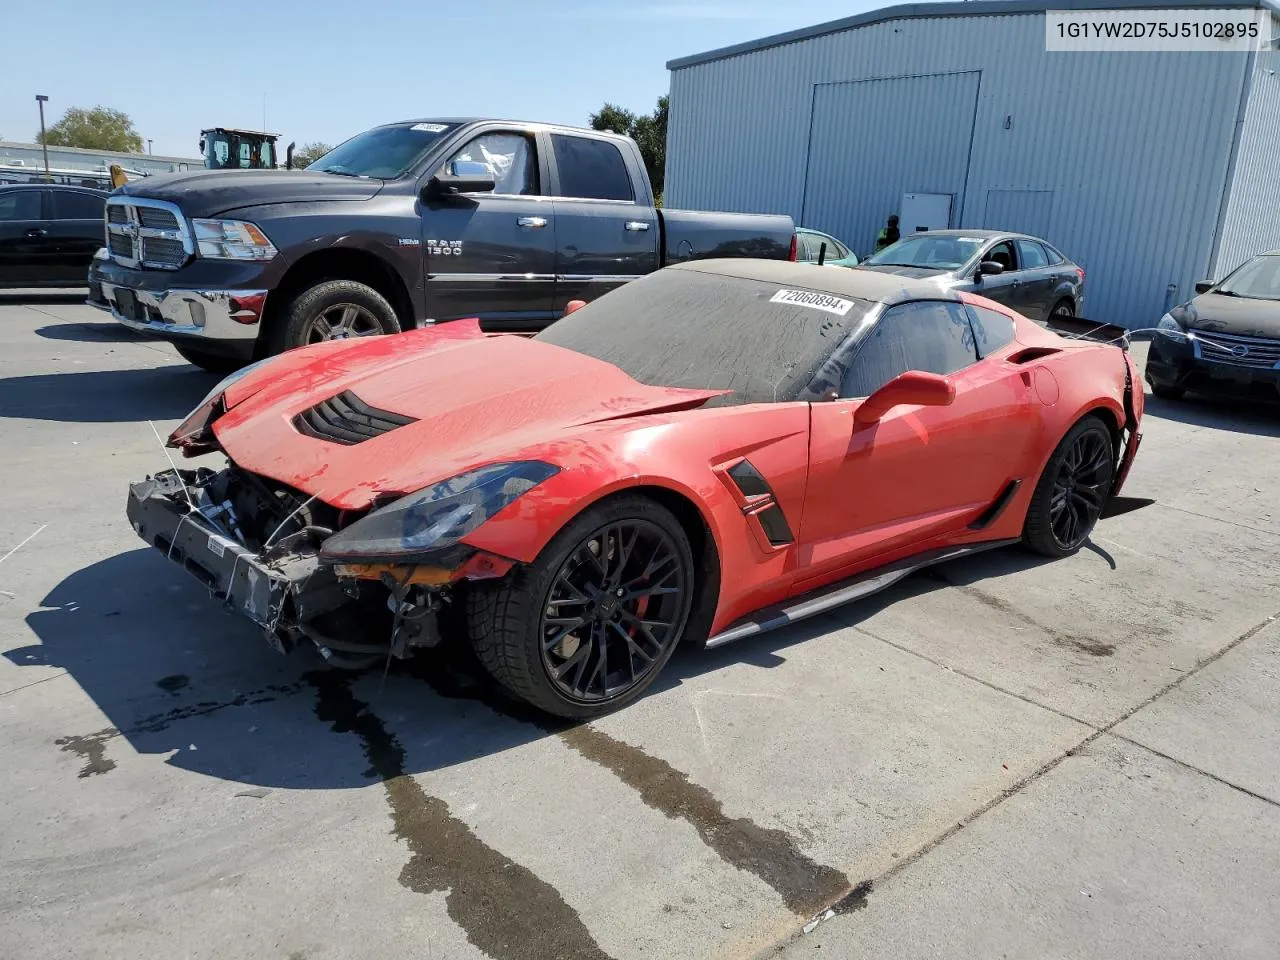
(147, 234)
(1259, 353)
(161, 252)
(347, 419)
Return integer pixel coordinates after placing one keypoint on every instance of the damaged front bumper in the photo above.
(277, 592)
(285, 589)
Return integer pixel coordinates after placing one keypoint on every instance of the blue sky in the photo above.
(330, 69)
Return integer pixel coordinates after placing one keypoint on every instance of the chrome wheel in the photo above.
(1080, 489)
(341, 322)
(616, 606)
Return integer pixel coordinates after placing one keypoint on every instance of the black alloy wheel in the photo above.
(614, 610)
(1073, 490)
(341, 322)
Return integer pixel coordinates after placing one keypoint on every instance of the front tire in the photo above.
(333, 310)
(586, 628)
(212, 362)
(1072, 490)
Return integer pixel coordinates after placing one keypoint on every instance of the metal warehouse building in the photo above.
(1151, 169)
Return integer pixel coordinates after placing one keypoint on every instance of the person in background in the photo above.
(888, 234)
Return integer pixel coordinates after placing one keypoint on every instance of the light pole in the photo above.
(41, 99)
(148, 145)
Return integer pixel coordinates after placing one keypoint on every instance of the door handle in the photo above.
(37, 232)
(637, 226)
(532, 222)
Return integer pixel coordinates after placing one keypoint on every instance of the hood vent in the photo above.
(348, 420)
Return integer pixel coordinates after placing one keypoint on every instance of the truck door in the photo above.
(607, 229)
(492, 255)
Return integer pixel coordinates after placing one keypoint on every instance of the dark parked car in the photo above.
(1225, 339)
(1020, 271)
(410, 223)
(49, 233)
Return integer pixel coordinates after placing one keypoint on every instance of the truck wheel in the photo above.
(213, 362)
(586, 627)
(333, 310)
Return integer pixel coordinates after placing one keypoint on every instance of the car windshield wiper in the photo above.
(338, 171)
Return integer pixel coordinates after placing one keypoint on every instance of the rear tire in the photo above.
(1063, 308)
(212, 362)
(1072, 490)
(333, 310)
(540, 632)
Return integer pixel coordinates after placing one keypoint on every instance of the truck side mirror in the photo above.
(462, 177)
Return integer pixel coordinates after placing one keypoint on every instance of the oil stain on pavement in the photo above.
(771, 855)
(93, 750)
(504, 909)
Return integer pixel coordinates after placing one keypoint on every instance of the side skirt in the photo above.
(845, 591)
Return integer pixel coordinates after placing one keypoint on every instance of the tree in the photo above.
(309, 154)
(649, 131)
(99, 128)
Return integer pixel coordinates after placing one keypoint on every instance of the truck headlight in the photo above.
(231, 240)
(1171, 328)
(437, 517)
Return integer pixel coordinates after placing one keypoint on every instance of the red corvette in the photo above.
(708, 452)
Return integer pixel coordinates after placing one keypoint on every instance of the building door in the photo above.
(871, 141)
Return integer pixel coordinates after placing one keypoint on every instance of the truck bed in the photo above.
(699, 235)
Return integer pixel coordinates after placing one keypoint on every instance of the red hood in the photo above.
(475, 399)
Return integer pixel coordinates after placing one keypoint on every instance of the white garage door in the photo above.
(871, 141)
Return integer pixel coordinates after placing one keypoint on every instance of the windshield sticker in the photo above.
(818, 301)
(430, 127)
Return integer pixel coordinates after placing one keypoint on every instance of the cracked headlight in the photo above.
(437, 517)
(231, 240)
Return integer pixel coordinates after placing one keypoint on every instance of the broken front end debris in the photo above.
(260, 547)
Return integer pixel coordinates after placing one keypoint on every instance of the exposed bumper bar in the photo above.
(225, 315)
(275, 594)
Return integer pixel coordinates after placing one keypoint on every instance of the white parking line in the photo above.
(22, 544)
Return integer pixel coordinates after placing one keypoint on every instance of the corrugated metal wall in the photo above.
(1252, 221)
(1134, 147)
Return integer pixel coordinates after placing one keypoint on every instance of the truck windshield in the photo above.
(383, 152)
(706, 331)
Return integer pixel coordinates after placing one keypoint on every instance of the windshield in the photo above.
(684, 328)
(1258, 279)
(930, 252)
(384, 152)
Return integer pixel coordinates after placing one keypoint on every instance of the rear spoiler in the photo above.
(1078, 328)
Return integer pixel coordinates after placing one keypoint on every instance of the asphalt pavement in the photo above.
(1002, 757)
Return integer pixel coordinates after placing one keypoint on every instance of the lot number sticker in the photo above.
(818, 301)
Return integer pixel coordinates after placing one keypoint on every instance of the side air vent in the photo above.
(748, 479)
(761, 503)
(347, 419)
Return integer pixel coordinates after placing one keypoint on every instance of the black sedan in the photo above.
(1225, 339)
(1020, 271)
(49, 233)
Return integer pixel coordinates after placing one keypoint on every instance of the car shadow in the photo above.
(176, 674)
(105, 396)
(109, 332)
(1257, 417)
(27, 298)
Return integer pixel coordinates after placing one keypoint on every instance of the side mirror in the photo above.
(1204, 286)
(990, 268)
(912, 387)
(463, 176)
(573, 305)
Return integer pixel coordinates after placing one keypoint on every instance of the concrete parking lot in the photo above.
(1004, 757)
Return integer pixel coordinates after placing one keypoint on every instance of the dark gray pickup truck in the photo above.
(407, 224)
